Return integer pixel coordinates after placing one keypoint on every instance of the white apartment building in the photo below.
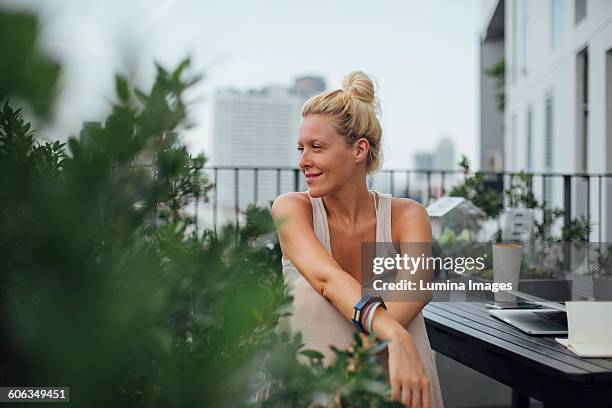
(558, 98)
(257, 128)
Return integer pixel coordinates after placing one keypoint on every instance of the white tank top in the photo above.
(318, 319)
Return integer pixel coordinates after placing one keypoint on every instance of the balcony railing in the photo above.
(239, 186)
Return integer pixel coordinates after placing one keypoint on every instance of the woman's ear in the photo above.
(360, 150)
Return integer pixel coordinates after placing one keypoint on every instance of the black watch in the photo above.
(360, 306)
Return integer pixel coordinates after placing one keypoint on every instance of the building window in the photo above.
(548, 133)
(548, 147)
(524, 25)
(582, 107)
(556, 22)
(514, 43)
(580, 10)
(529, 141)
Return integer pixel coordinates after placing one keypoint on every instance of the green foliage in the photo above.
(601, 261)
(25, 72)
(548, 251)
(472, 189)
(520, 194)
(354, 379)
(106, 286)
(578, 230)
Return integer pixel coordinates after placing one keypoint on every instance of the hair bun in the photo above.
(359, 85)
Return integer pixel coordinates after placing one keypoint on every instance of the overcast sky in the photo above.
(423, 55)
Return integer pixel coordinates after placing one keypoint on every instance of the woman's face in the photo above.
(325, 159)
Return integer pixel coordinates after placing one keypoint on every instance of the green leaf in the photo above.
(313, 354)
(121, 87)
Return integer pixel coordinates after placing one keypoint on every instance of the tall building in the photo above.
(306, 86)
(423, 161)
(444, 158)
(557, 114)
(257, 128)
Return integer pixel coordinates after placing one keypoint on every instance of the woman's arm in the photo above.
(292, 214)
(414, 231)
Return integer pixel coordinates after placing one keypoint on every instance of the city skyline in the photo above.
(421, 55)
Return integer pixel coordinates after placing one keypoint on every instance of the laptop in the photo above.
(549, 318)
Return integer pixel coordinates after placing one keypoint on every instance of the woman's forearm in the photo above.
(404, 312)
(344, 292)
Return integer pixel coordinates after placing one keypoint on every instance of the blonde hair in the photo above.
(354, 108)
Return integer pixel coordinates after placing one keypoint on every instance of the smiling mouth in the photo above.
(310, 177)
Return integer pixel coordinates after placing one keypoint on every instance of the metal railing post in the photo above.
(442, 182)
(236, 196)
(588, 203)
(599, 220)
(408, 184)
(428, 187)
(215, 201)
(296, 180)
(567, 199)
(255, 185)
(545, 205)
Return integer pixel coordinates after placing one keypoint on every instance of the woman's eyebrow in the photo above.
(318, 141)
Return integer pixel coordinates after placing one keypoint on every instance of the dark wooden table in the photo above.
(533, 366)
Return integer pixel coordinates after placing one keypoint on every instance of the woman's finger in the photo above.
(406, 396)
(425, 396)
(416, 397)
(395, 390)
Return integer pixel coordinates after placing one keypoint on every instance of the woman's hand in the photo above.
(407, 375)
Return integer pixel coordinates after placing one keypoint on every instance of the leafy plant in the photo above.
(26, 72)
(601, 261)
(107, 286)
(355, 378)
(520, 194)
(473, 189)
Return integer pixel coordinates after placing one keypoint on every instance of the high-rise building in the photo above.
(258, 128)
(255, 128)
(306, 86)
(423, 161)
(444, 157)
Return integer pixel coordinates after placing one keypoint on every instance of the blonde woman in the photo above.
(321, 232)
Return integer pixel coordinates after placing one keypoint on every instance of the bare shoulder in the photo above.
(410, 220)
(406, 208)
(294, 204)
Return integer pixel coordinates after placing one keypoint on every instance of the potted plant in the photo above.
(601, 267)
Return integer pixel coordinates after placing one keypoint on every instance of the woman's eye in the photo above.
(316, 146)
(300, 148)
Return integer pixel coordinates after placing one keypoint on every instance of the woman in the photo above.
(321, 232)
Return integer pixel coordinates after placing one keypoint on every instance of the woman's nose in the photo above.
(304, 160)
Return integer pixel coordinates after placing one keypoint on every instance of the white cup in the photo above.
(507, 268)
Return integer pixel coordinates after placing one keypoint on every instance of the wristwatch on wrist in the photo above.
(361, 306)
